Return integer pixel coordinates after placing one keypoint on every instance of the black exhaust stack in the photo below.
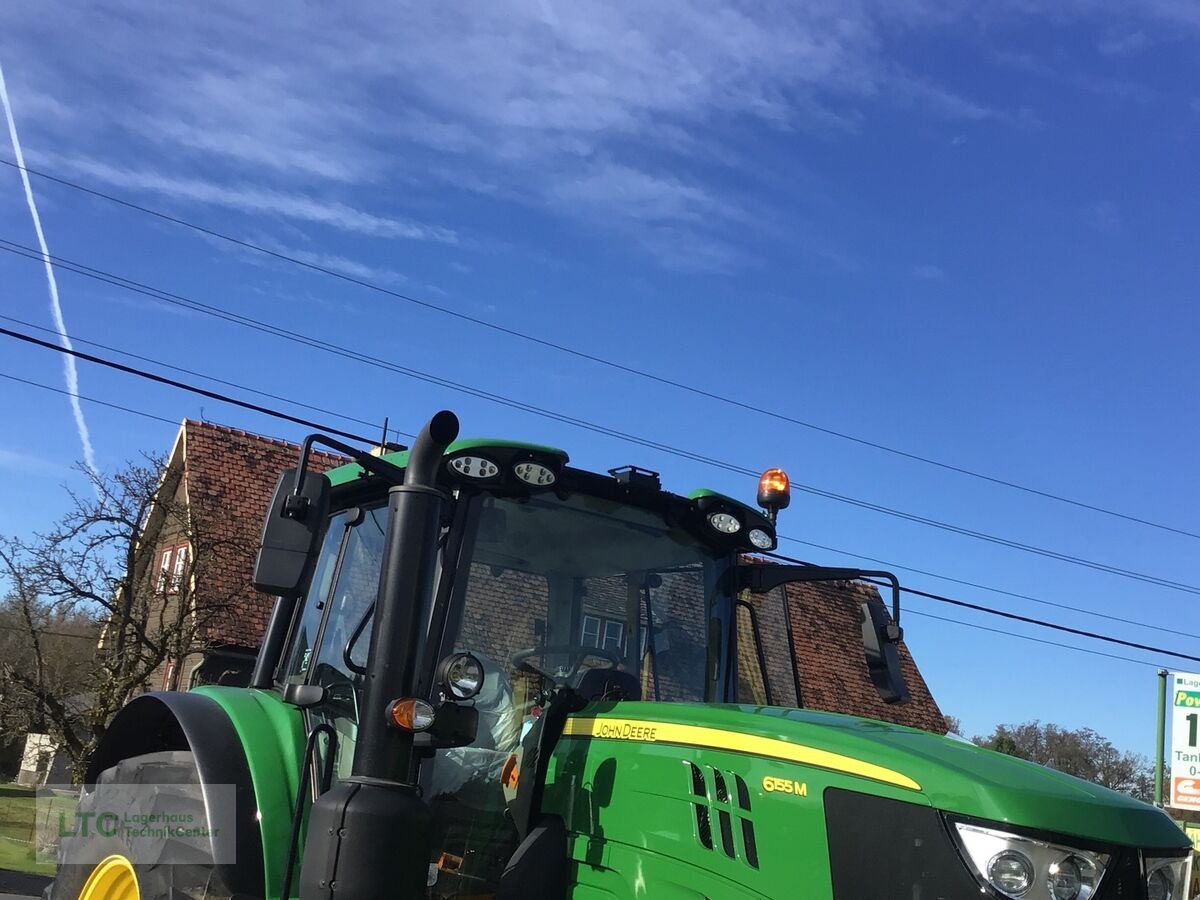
(368, 837)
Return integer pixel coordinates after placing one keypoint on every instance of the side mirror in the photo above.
(291, 534)
(881, 643)
(453, 726)
(881, 633)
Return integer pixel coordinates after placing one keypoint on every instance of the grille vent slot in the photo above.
(703, 826)
(711, 796)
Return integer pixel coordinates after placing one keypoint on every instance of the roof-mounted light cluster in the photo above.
(479, 467)
(500, 464)
(742, 527)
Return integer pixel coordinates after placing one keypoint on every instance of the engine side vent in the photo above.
(711, 797)
(703, 817)
(726, 832)
(703, 827)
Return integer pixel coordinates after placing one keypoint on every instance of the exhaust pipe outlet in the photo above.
(426, 453)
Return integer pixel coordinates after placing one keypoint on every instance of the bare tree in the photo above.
(44, 654)
(98, 564)
(1080, 752)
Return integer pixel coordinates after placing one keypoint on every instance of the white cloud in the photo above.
(250, 199)
(1101, 85)
(610, 112)
(1118, 88)
(1127, 44)
(31, 464)
(1105, 217)
(928, 272)
(334, 262)
(322, 114)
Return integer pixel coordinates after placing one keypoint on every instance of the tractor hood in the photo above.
(952, 775)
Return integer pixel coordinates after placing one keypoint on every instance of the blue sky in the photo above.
(968, 234)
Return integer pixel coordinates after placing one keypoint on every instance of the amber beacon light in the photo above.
(774, 492)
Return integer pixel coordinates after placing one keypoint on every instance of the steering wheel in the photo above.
(340, 692)
(575, 654)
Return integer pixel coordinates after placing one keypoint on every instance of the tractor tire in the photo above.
(190, 874)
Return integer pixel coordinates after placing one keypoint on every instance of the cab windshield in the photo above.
(584, 592)
(551, 588)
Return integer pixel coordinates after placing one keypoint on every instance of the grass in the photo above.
(17, 816)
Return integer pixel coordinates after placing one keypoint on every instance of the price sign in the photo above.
(1185, 742)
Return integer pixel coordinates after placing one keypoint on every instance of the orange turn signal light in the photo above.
(774, 490)
(410, 714)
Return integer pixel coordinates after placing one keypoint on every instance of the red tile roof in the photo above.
(231, 474)
(833, 675)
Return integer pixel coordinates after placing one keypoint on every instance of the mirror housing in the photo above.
(881, 644)
(454, 725)
(291, 534)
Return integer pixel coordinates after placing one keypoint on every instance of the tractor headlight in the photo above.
(1025, 868)
(1167, 877)
(725, 523)
(478, 467)
(761, 539)
(535, 474)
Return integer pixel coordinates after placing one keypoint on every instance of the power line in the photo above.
(1091, 635)
(599, 360)
(1041, 623)
(345, 352)
(212, 395)
(1036, 640)
(43, 631)
(796, 540)
(46, 387)
(192, 372)
(1017, 617)
(993, 590)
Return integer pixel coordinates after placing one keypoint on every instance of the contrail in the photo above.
(72, 376)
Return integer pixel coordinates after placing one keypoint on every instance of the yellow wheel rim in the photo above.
(112, 879)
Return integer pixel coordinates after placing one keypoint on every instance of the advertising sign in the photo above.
(1185, 742)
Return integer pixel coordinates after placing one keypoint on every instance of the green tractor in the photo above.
(491, 675)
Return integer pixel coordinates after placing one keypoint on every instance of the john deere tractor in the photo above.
(491, 675)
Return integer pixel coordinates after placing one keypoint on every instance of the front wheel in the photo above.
(97, 867)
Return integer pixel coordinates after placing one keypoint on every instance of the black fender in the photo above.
(178, 720)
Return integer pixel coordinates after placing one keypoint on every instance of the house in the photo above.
(826, 622)
(234, 472)
(222, 480)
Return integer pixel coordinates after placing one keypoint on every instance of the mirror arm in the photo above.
(760, 578)
(296, 505)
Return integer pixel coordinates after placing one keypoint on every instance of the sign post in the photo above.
(1160, 742)
(1185, 742)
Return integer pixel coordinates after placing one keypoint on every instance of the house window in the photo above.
(172, 566)
(608, 634)
(614, 635)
